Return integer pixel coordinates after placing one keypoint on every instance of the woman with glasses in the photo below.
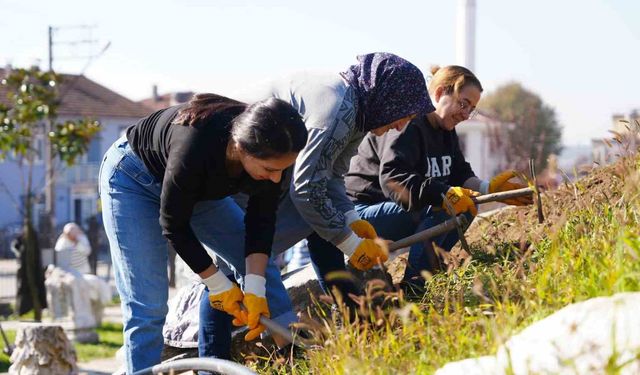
(397, 180)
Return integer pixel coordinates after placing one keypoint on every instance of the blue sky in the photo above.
(581, 57)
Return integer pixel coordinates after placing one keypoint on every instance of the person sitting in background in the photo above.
(73, 249)
(70, 281)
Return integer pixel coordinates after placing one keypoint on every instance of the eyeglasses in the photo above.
(465, 107)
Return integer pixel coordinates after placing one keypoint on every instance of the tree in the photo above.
(535, 132)
(32, 100)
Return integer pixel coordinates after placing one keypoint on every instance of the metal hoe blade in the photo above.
(532, 169)
(459, 228)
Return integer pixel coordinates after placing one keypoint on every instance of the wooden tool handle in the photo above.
(493, 197)
(425, 234)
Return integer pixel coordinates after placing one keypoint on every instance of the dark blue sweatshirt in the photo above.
(412, 168)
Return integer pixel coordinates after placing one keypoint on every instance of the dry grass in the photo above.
(519, 273)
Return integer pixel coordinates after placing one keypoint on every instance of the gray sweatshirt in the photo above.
(328, 106)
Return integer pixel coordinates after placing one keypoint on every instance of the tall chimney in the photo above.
(466, 34)
(154, 92)
(8, 68)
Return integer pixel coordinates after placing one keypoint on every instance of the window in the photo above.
(38, 146)
(94, 153)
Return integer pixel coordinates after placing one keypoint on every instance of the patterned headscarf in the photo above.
(388, 88)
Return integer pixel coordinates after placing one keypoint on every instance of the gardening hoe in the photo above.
(460, 222)
(278, 329)
(493, 197)
(459, 228)
(8, 348)
(532, 169)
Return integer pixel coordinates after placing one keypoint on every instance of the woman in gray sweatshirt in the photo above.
(380, 92)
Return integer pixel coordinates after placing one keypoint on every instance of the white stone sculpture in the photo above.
(42, 349)
(77, 298)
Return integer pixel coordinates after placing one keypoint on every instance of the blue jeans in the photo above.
(130, 197)
(390, 221)
(393, 223)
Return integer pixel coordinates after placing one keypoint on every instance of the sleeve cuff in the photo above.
(484, 187)
(217, 283)
(349, 245)
(255, 284)
(351, 216)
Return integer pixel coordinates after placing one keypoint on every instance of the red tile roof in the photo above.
(157, 103)
(167, 100)
(83, 97)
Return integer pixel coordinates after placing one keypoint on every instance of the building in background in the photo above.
(625, 139)
(478, 139)
(157, 102)
(76, 187)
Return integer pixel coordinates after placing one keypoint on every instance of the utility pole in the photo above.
(466, 34)
(50, 187)
(49, 191)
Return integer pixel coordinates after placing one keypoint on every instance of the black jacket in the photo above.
(412, 168)
(191, 163)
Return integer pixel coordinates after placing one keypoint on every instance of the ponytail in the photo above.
(452, 78)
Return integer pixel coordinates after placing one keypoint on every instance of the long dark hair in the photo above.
(269, 128)
(203, 106)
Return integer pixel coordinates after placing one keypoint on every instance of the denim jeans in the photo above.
(392, 223)
(130, 197)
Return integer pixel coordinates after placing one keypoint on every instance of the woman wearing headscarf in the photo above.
(398, 181)
(380, 92)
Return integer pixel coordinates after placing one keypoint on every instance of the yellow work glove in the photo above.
(363, 229)
(367, 254)
(460, 199)
(256, 304)
(225, 295)
(501, 183)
